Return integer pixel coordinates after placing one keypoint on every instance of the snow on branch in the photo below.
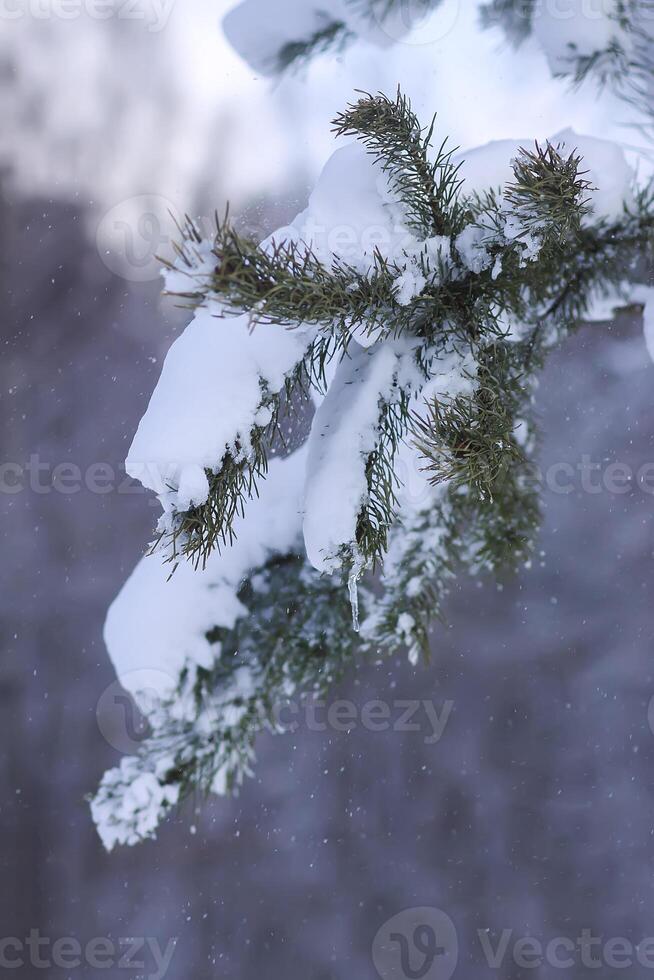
(276, 35)
(390, 130)
(419, 333)
(611, 42)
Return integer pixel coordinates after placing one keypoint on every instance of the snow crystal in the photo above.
(193, 487)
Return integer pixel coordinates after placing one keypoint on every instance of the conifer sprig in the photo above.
(548, 190)
(294, 639)
(546, 269)
(469, 440)
(196, 532)
(285, 283)
(391, 131)
(380, 510)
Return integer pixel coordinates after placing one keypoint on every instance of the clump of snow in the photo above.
(603, 164)
(352, 212)
(645, 295)
(488, 167)
(343, 434)
(408, 285)
(417, 260)
(157, 625)
(259, 29)
(207, 399)
(470, 247)
(130, 803)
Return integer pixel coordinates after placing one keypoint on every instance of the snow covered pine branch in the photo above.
(275, 35)
(413, 301)
(610, 41)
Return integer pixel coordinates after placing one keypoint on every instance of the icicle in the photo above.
(358, 565)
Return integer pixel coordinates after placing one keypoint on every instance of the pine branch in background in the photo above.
(335, 36)
(624, 63)
(340, 26)
(514, 16)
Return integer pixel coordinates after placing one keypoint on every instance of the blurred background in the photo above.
(535, 810)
